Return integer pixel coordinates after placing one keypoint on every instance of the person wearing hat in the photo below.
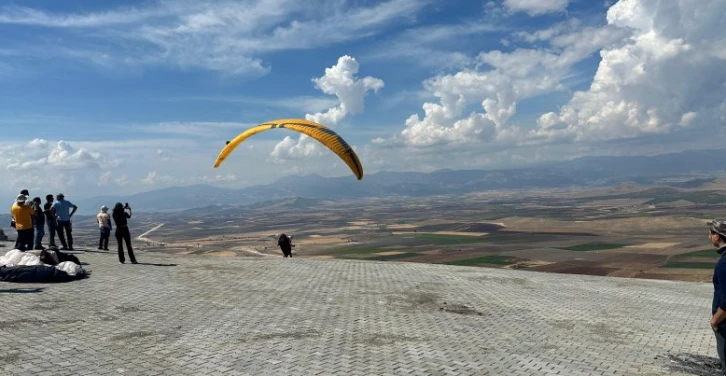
(25, 193)
(104, 224)
(22, 214)
(62, 209)
(717, 237)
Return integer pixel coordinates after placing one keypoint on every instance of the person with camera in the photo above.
(22, 216)
(120, 218)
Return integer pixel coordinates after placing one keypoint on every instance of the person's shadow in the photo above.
(22, 291)
(153, 264)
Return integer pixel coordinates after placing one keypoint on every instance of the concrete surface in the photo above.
(204, 315)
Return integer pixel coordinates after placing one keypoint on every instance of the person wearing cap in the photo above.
(62, 209)
(50, 219)
(104, 224)
(25, 193)
(717, 237)
(22, 214)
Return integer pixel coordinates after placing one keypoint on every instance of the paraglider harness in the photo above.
(285, 243)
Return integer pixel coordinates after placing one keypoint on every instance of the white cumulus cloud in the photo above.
(667, 77)
(340, 80)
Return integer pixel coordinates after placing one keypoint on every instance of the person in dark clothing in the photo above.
(285, 243)
(717, 237)
(38, 223)
(50, 219)
(120, 218)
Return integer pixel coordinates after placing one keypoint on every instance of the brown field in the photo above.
(617, 231)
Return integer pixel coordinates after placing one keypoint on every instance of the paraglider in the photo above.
(319, 132)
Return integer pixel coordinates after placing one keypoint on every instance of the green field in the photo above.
(593, 247)
(491, 259)
(710, 253)
(359, 251)
(696, 197)
(440, 239)
(689, 265)
(393, 257)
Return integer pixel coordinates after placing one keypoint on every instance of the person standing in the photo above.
(104, 224)
(62, 209)
(23, 217)
(121, 217)
(38, 223)
(285, 243)
(717, 237)
(50, 219)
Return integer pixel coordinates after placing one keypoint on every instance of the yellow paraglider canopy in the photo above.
(323, 134)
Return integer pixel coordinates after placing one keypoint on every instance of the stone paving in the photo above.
(205, 315)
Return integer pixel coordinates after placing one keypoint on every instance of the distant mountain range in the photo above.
(586, 171)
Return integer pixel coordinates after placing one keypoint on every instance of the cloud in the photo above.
(429, 45)
(339, 80)
(62, 156)
(667, 77)
(150, 178)
(298, 103)
(192, 128)
(221, 36)
(497, 83)
(536, 7)
(41, 165)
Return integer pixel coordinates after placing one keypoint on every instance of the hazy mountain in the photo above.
(587, 171)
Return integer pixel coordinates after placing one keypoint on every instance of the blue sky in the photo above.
(125, 96)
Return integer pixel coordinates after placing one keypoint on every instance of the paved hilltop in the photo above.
(206, 315)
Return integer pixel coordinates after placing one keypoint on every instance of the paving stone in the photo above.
(253, 316)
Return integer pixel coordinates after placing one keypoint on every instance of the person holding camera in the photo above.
(120, 217)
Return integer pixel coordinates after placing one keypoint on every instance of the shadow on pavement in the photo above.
(21, 291)
(152, 264)
(695, 364)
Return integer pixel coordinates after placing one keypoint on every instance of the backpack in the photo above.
(282, 240)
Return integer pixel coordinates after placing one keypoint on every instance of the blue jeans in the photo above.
(39, 233)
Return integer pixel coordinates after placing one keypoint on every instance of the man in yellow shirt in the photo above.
(23, 216)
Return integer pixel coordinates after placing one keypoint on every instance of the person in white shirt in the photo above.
(104, 224)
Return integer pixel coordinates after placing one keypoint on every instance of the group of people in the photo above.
(30, 220)
(120, 216)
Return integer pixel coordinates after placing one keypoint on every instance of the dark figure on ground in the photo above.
(104, 225)
(62, 209)
(22, 215)
(38, 223)
(285, 243)
(717, 237)
(50, 219)
(120, 217)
